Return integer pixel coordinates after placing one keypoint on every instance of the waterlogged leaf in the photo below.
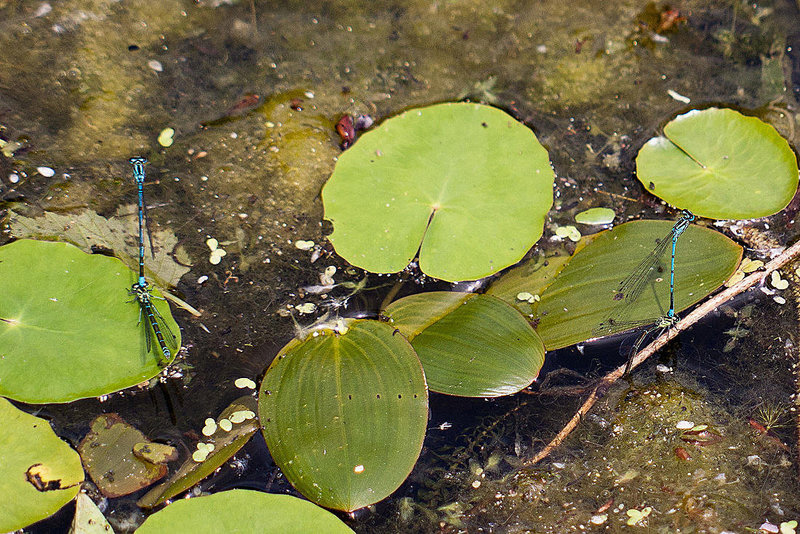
(470, 345)
(155, 453)
(226, 444)
(88, 230)
(39, 473)
(107, 453)
(243, 512)
(344, 414)
(68, 327)
(720, 164)
(583, 295)
(465, 184)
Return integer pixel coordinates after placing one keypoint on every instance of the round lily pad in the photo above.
(68, 327)
(464, 184)
(344, 413)
(242, 512)
(470, 345)
(720, 164)
(39, 473)
(584, 294)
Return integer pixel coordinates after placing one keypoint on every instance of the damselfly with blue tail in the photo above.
(155, 324)
(631, 288)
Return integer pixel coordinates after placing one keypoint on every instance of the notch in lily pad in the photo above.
(464, 185)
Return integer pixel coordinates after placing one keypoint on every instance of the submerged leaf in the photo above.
(88, 230)
(107, 452)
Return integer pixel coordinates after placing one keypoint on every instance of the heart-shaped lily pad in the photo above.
(470, 345)
(344, 413)
(720, 164)
(242, 512)
(584, 293)
(464, 184)
(39, 473)
(68, 327)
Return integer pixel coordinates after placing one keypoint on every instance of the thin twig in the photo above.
(698, 313)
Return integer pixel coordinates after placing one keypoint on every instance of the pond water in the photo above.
(254, 90)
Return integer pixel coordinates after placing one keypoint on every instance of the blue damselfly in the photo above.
(141, 291)
(631, 288)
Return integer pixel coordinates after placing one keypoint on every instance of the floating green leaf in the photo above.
(470, 345)
(39, 473)
(596, 216)
(720, 164)
(243, 512)
(465, 184)
(582, 296)
(68, 328)
(344, 414)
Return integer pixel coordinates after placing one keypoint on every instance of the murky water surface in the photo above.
(253, 91)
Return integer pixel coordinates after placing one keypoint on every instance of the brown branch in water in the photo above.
(640, 357)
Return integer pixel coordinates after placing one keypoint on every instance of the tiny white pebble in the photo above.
(779, 300)
(202, 279)
(155, 65)
(304, 245)
(13, 178)
(47, 172)
(309, 94)
(598, 519)
(661, 368)
(684, 425)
